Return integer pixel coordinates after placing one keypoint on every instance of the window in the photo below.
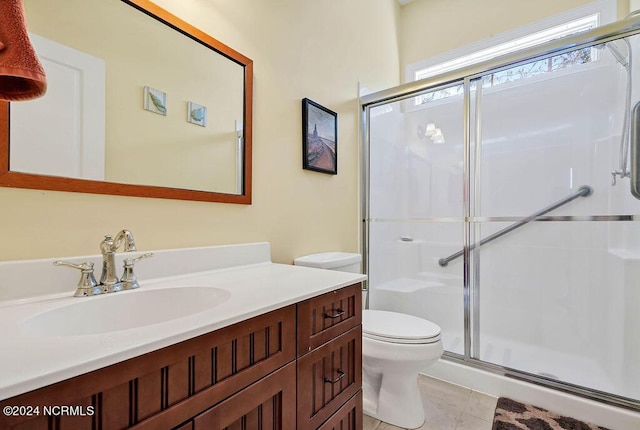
(523, 71)
(508, 45)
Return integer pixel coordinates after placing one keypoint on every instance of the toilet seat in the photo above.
(400, 328)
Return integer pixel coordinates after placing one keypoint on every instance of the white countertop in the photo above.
(29, 361)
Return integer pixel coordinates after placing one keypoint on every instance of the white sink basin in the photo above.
(124, 310)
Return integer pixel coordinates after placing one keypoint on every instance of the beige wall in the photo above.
(443, 25)
(300, 48)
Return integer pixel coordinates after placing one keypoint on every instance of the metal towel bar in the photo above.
(583, 191)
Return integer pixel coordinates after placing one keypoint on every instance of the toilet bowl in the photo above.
(395, 348)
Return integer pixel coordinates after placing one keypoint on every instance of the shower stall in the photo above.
(501, 203)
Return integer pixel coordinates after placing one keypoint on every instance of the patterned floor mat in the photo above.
(512, 415)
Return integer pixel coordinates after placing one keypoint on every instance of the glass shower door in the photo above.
(557, 297)
(415, 210)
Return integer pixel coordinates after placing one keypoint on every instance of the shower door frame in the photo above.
(599, 35)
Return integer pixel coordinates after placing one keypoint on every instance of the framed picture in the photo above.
(197, 114)
(155, 101)
(319, 138)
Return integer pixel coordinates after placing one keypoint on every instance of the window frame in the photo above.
(604, 9)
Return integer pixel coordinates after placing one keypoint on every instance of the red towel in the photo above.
(21, 74)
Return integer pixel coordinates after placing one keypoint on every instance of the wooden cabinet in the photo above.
(329, 355)
(295, 367)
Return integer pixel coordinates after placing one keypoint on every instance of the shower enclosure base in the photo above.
(545, 362)
(553, 400)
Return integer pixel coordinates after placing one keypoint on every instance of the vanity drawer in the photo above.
(327, 377)
(348, 417)
(322, 318)
(269, 404)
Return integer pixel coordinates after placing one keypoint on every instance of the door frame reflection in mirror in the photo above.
(13, 179)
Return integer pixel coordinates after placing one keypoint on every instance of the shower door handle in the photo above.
(635, 152)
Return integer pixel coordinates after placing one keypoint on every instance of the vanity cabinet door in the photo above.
(324, 317)
(327, 377)
(269, 404)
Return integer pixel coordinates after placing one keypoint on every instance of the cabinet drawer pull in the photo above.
(338, 314)
(333, 381)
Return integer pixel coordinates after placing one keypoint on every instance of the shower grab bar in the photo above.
(583, 191)
(635, 152)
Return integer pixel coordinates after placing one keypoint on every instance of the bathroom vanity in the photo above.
(281, 351)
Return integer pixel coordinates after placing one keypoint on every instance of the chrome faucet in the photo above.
(109, 282)
(108, 247)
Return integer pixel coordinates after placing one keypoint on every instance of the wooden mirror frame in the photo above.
(56, 183)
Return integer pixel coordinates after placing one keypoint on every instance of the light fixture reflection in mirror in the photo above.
(91, 132)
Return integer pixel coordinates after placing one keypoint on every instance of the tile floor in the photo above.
(448, 407)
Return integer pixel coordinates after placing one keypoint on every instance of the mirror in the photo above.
(139, 103)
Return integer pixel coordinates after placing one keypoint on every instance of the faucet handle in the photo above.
(135, 260)
(87, 285)
(129, 280)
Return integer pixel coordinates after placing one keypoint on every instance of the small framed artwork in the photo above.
(319, 138)
(155, 101)
(197, 114)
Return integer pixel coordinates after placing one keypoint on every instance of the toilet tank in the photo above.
(342, 261)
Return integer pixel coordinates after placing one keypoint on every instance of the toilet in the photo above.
(395, 348)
